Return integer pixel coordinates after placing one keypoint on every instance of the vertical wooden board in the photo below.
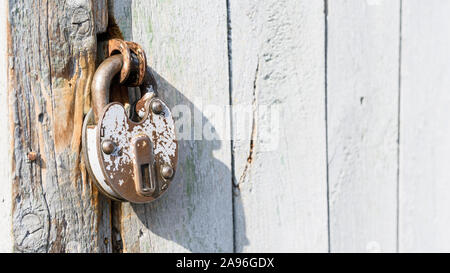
(425, 128)
(186, 46)
(100, 15)
(362, 121)
(51, 60)
(120, 13)
(5, 158)
(277, 64)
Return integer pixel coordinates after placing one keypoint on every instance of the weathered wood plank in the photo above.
(362, 121)
(278, 58)
(186, 46)
(120, 12)
(100, 15)
(5, 151)
(51, 54)
(424, 188)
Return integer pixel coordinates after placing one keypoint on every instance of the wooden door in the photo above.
(323, 125)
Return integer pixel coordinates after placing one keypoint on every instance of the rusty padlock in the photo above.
(132, 155)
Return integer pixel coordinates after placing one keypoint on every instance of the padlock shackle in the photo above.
(101, 82)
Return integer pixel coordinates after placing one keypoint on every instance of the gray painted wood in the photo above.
(362, 121)
(278, 170)
(186, 46)
(51, 52)
(278, 61)
(425, 129)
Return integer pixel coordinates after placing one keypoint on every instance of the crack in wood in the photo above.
(253, 134)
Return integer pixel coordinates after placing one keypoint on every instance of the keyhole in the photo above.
(145, 174)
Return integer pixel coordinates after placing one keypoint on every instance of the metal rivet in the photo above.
(108, 147)
(166, 172)
(157, 107)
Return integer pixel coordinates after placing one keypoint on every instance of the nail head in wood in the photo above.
(32, 156)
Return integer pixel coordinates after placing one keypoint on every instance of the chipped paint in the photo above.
(118, 167)
(115, 126)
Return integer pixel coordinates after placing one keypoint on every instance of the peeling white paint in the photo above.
(115, 126)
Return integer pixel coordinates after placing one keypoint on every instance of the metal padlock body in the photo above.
(119, 173)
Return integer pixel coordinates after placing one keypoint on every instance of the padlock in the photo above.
(130, 155)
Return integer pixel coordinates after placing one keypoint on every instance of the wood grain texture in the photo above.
(278, 58)
(186, 46)
(425, 128)
(362, 121)
(311, 80)
(100, 15)
(120, 12)
(51, 51)
(5, 151)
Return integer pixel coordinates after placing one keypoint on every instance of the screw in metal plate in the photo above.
(166, 172)
(108, 147)
(157, 107)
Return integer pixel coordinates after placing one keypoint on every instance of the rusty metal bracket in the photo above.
(134, 61)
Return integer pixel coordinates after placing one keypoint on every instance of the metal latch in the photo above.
(131, 154)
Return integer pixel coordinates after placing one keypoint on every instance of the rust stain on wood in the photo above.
(52, 58)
